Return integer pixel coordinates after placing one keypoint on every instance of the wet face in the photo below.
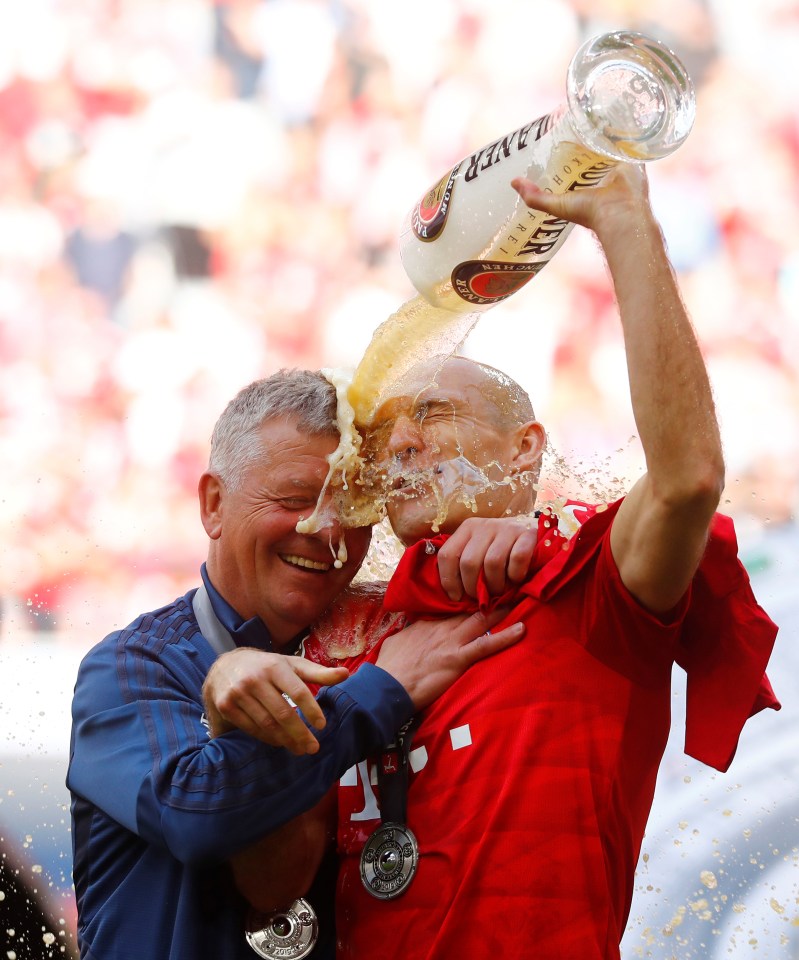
(441, 453)
(257, 559)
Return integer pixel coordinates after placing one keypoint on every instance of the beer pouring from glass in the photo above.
(471, 242)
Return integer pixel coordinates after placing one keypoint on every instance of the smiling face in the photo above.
(257, 560)
(451, 446)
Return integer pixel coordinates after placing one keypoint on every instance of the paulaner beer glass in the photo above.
(471, 242)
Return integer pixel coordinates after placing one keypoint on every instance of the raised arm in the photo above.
(660, 532)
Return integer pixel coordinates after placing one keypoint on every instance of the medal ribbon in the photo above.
(391, 854)
(392, 775)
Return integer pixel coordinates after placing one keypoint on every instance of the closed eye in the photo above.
(297, 503)
(433, 408)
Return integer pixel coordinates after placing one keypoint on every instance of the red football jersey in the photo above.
(532, 777)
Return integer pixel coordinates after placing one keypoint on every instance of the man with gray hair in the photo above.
(158, 806)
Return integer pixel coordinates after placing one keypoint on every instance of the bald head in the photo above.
(510, 403)
(454, 438)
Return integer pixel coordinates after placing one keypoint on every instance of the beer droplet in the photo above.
(708, 878)
(675, 921)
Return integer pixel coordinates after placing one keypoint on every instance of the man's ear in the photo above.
(211, 492)
(530, 442)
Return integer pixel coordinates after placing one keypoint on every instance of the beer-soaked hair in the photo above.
(302, 396)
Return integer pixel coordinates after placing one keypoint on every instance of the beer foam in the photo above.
(344, 458)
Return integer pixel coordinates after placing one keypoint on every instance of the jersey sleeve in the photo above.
(141, 751)
(723, 638)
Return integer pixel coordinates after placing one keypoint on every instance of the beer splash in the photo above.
(415, 332)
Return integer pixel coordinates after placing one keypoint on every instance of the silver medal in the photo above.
(389, 860)
(291, 932)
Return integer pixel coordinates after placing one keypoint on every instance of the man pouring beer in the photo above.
(509, 816)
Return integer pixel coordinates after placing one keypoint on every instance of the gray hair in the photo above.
(304, 396)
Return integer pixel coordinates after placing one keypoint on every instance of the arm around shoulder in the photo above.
(142, 754)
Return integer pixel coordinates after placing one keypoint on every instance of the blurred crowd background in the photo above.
(194, 194)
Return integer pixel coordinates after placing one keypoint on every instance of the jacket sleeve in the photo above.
(141, 751)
